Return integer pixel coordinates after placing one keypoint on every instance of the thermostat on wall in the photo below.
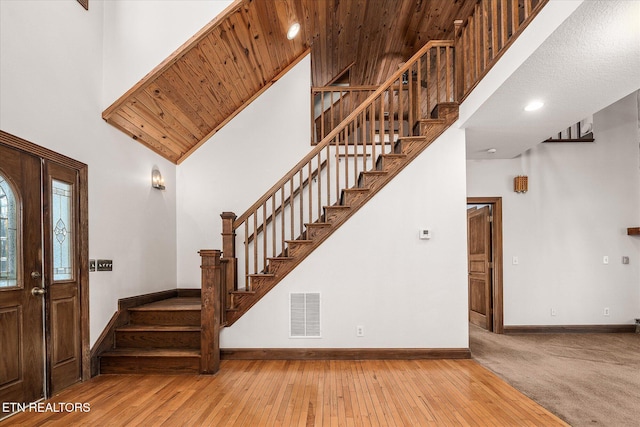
(425, 234)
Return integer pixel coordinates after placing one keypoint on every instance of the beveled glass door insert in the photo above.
(8, 235)
(63, 233)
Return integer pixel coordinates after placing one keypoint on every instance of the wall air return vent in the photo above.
(304, 315)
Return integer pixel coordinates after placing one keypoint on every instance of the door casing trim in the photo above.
(83, 193)
(497, 303)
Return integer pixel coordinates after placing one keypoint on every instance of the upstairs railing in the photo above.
(484, 36)
(390, 112)
(332, 104)
(432, 76)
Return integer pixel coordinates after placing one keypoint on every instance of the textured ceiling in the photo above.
(590, 61)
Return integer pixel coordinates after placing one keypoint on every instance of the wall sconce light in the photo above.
(157, 181)
(521, 184)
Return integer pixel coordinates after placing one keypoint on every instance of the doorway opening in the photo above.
(484, 260)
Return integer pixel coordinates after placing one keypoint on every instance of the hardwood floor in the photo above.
(302, 393)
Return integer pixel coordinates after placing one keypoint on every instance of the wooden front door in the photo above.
(479, 264)
(21, 301)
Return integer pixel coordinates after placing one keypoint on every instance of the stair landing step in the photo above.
(151, 352)
(158, 328)
(171, 304)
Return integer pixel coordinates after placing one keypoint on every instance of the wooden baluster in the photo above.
(291, 211)
(478, 41)
(264, 235)
(527, 9)
(301, 192)
(282, 221)
(419, 79)
(255, 241)
(392, 107)
(355, 149)
(319, 181)
(246, 255)
(310, 184)
(372, 131)
(364, 141)
(346, 155)
(229, 253)
(328, 155)
(485, 34)
(438, 76)
(389, 94)
(504, 23)
(515, 16)
(495, 32)
(449, 73)
(273, 225)
(210, 313)
(337, 145)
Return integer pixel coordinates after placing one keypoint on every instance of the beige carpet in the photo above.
(585, 379)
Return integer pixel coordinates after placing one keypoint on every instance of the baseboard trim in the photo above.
(343, 353)
(568, 329)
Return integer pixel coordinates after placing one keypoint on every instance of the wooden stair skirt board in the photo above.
(569, 329)
(368, 184)
(343, 353)
(154, 336)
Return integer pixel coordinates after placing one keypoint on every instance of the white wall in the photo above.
(375, 272)
(51, 86)
(581, 199)
(142, 33)
(239, 164)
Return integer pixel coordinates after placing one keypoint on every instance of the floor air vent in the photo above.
(304, 312)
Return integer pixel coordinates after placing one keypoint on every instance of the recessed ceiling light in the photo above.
(293, 30)
(534, 105)
(491, 151)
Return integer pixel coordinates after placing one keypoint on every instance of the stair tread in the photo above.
(157, 328)
(241, 292)
(299, 241)
(262, 275)
(171, 304)
(280, 258)
(151, 352)
(357, 189)
(337, 207)
(317, 224)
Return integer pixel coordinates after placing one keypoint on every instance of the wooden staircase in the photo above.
(161, 337)
(387, 166)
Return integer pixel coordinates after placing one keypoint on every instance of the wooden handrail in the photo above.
(327, 139)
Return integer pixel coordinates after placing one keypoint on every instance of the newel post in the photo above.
(211, 309)
(229, 254)
(459, 60)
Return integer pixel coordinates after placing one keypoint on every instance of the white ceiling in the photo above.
(590, 61)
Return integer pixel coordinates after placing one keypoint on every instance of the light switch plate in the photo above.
(105, 265)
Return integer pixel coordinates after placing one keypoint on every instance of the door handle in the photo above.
(36, 275)
(37, 292)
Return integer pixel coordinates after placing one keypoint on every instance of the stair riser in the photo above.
(275, 266)
(317, 232)
(371, 180)
(352, 198)
(156, 339)
(149, 365)
(387, 164)
(166, 318)
(335, 215)
(430, 130)
(298, 249)
(258, 283)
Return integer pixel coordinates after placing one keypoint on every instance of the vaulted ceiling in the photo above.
(239, 54)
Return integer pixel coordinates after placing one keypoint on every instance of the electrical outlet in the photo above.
(605, 259)
(515, 260)
(553, 312)
(606, 311)
(359, 331)
(92, 265)
(625, 260)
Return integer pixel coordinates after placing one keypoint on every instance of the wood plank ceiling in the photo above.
(186, 99)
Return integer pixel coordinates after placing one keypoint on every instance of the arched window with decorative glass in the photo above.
(8, 235)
